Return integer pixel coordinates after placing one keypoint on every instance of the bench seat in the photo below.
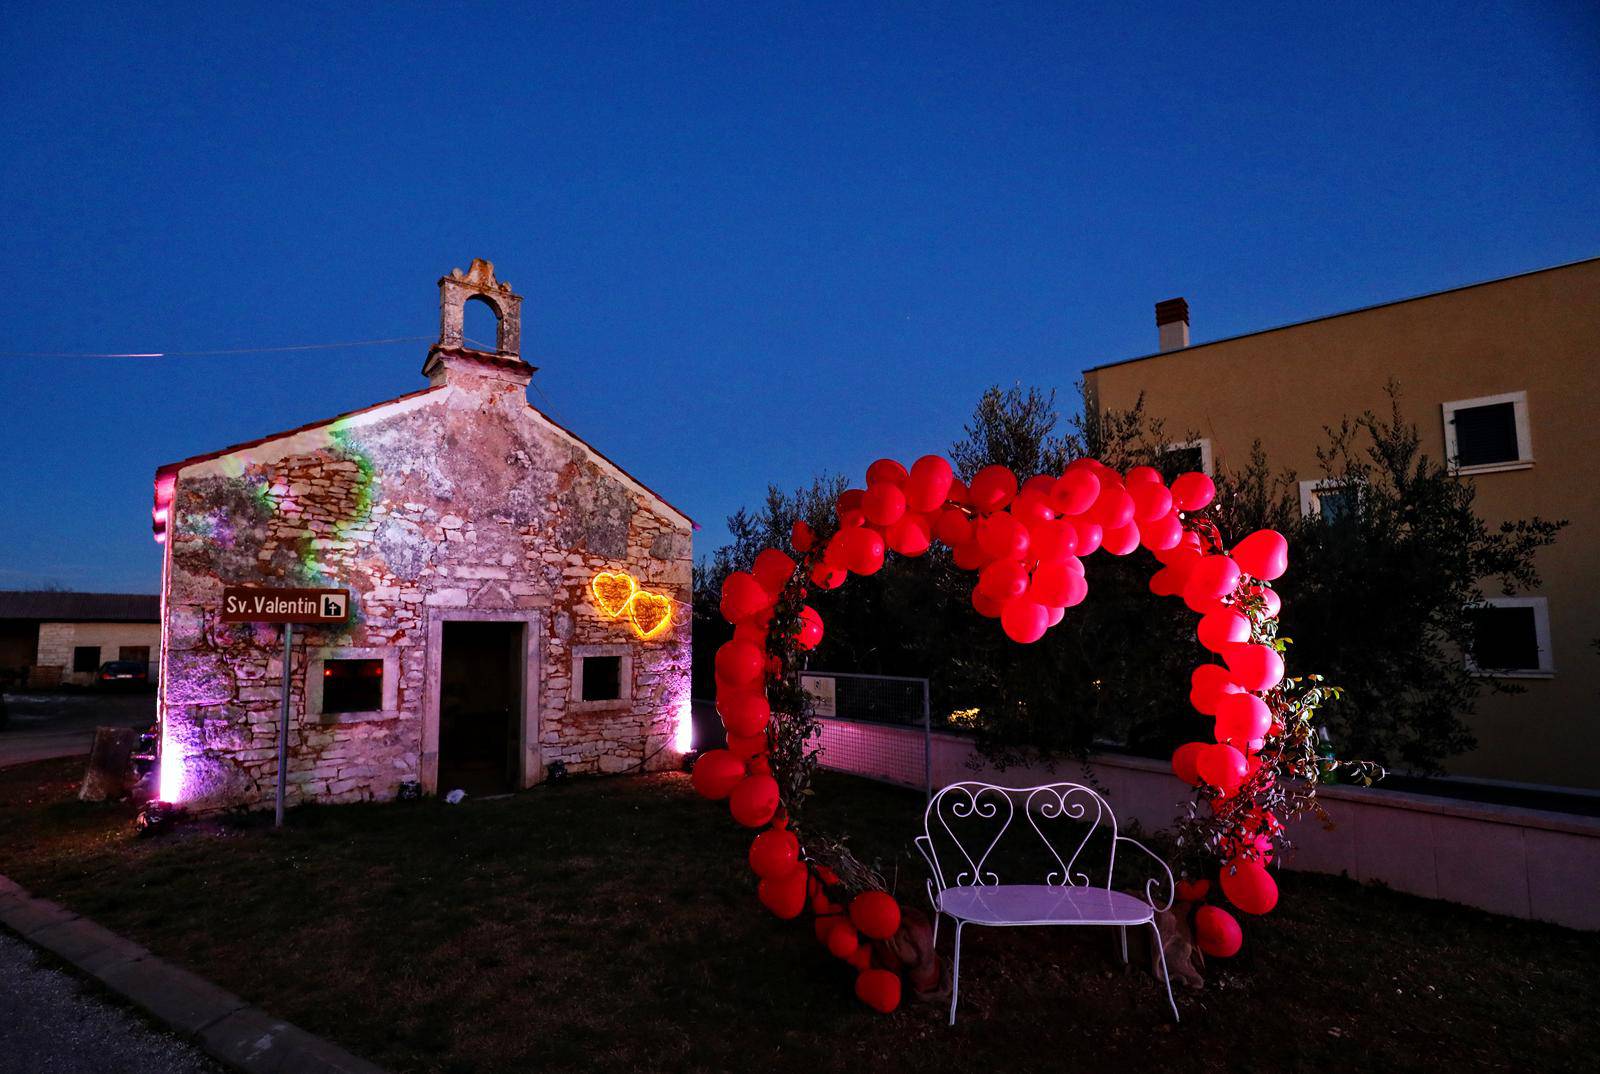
(1041, 904)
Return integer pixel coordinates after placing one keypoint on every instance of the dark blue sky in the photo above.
(753, 246)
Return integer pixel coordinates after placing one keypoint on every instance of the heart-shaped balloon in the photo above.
(651, 613)
(612, 592)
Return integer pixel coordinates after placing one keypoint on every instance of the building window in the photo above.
(138, 654)
(1189, 456)
(86, 658)
(1488, 434)
(352, 685)
(1511, 637)
(602, 676)
(1331, 499)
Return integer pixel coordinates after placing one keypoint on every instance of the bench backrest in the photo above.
(965, 822)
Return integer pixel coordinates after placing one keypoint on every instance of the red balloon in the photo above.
(842, 939)
(1207, 685)
(1192, 890)
(1188, 545)
(863, 550)
(1053, 539)
(1184, 760)
(1161, 534)
(1221, 628)
(753, 801)
(1089, 536)
(876, 914)
(928, 485)
(954, 527)
(1192, 491)
(716, 773)
(1151, 499)
(1249, 886)
(810, 628)
(1024, 620)
(1141, 475)
(849, 507)
(1268, 597)
(745, 747)
(743, 596)
(1075, 492)
(1122, 540)
(970, 556)
(826, 577)
(1264, 554)
(1056, 614)
(1216, 932)
(883, 505)
(1030, 507)
(987, 606)
(784, 895)
(775, 852)
(886, 472)
(1210, 578)
(773, 570)
(1243, 720)
(1002, 536)
(1165, 583)
(801, 537)
(1054, 583)
(911, 535)
(1254, 667)
(1003, 579)
(1114, 508)
(878, 989)
(744, 712)
(992, 488)
(1221, 766)
(740, 663)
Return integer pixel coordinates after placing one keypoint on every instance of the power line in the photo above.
(214, 353)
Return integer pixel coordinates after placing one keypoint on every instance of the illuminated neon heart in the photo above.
(651, 613)
(613, 592)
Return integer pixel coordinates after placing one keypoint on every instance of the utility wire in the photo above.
(214, 353)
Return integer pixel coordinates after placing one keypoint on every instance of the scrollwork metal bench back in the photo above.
(965, 823)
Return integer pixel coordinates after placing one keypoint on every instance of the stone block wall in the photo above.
(461, 499)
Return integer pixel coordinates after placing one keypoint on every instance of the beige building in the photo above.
(1501, 377)
(50, 638)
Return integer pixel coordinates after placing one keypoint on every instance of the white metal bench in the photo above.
(1061, 815)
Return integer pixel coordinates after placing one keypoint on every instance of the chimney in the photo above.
(1172, 324)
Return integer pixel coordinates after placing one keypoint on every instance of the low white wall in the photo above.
(1520, 862)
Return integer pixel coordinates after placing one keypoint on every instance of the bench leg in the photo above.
(1124, 930)
(936, 916)
(955, 973)
(1166, 977)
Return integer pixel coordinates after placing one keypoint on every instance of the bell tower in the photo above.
(503, 363)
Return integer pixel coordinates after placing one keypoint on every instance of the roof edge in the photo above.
(1346, 313)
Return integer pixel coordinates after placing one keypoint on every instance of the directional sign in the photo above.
(260, 604)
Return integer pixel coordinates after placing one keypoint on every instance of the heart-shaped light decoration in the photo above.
(613, 592)
(651, 613)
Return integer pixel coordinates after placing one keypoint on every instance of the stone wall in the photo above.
(461, 499)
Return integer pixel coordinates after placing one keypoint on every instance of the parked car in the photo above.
(129, 674)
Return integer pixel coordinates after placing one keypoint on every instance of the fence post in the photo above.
(927, 742)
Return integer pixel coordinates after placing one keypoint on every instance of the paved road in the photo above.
(50, 1023)
(62, 725)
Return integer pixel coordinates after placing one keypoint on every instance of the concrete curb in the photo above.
(243, 1037)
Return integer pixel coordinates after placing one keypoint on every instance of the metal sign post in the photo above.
(283, 726)
(260, 604)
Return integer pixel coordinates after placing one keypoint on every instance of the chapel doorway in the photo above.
(480, 706)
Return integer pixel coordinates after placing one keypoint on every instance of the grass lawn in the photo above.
(612, 925)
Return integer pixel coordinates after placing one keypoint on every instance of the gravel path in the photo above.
(51, 1024)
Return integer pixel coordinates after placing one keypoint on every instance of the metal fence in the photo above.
(841, 699)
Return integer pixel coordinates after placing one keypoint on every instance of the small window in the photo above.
(86, 658)
(1192, 456)
(1511, 636)
(602, 678)
(138, 654)
(1482, 435)
(352, 685)
(1331, 500)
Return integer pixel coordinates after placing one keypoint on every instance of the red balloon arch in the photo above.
(1026, 542)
